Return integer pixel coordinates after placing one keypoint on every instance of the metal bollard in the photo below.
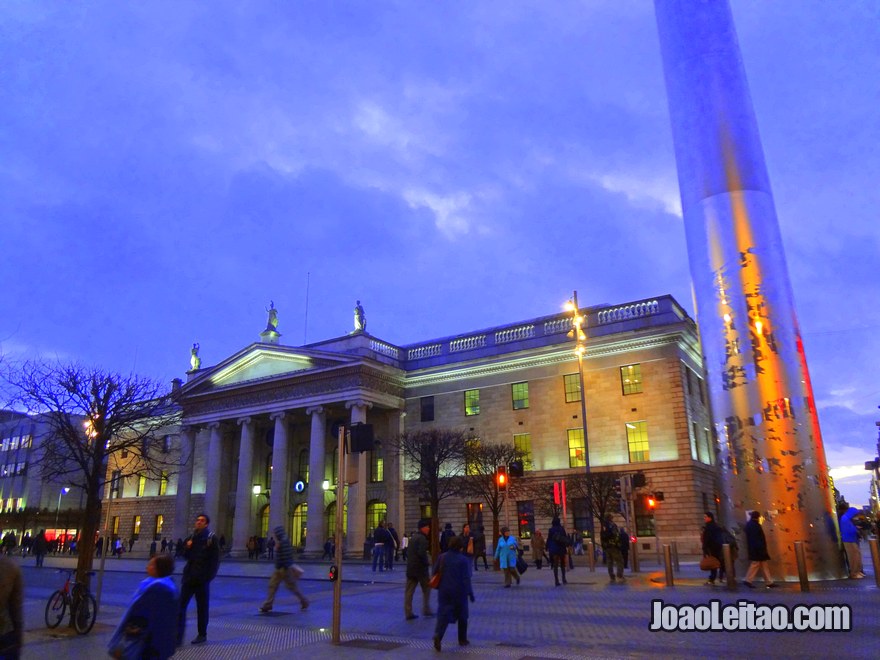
(728, 567)
(667, 562)
(659, 552)
(801, 565)
(675, 561)
(634, 557)
(875, 559)
(591, 556)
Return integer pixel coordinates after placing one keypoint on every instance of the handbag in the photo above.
(521, 565)
(709, 563)
(434, 582)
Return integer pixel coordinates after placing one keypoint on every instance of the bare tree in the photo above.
(540, 492)
(481, 463)
(92, 416)
(434, 459)
(599, 489)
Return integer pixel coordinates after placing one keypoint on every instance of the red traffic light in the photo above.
(651, 502)
(501, 477)
(332, 574)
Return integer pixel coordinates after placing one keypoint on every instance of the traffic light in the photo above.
(617, 487)
(639, 480)
(652, 502)
(501, 477)
(332, 574)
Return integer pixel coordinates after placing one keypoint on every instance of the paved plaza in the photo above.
(586, 618)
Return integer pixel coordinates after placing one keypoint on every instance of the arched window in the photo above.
(304, 465)
(298, 525)
(264, 521)
(331, 518)
(376, 512)
(377, 463)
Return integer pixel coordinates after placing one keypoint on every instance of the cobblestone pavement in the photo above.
(585, 619)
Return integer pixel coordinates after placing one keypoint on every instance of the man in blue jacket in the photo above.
(849, 534)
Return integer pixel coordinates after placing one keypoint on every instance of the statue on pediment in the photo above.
(360, 318)
(194, 360)
(272, 324)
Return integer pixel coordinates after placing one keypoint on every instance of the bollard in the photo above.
(875, 559)
(801, 565)
(728, 567)
(591, 555)
(659, 552)
(634, 556)
(675, 561)
(667, 561)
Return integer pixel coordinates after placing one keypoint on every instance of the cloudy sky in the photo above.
(167, 169)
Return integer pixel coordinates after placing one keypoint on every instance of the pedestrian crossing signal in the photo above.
(332, 574)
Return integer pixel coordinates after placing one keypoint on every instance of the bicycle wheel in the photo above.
(85, 614)
(55, 609)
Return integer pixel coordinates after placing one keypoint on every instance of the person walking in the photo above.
(506, 554)
(447, 534)
(40, 547)
(756, 543)
(712, 541)
(610, 538)
(480, 547)
(624, 546)
(538, 547)
(849, 536)
(11, 609)
(392, 547)
(202, 554)
(285, 571)
(467, 542)
(557, 548)
(147, 629)
(418, 564)
(381, 538)
(404, 544)
(270, 547)
(453, 593)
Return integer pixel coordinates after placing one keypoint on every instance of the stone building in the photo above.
(261, 426)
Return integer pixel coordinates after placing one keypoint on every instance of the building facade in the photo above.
(261, 427)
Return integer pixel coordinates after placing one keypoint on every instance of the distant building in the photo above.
(261, 426)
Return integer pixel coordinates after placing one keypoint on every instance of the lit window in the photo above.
(572, 384)
(377, 463)
(136, 526)
(637, 441)
(115, 531)
(142, 485)
(522, 443)
(471, 402)
(26, 441)
(160, 524)
(304, 465)
(163, 483)
(576, 455)
(631, 378)
(376, 513)
(520, 392)
(426, 404)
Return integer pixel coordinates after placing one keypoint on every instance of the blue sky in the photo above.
(166, 169)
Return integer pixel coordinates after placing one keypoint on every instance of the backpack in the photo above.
(729, 539)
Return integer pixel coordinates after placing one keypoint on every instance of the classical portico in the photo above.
(265, 422)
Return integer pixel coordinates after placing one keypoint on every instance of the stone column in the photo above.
(394, 472)
(182, 523)
(357, 494)
(279, 498)
(769, 441)
(242, 525)
(212, 475)
(316, 531)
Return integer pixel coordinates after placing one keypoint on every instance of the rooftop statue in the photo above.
(195, 361)
(360, 318)
(272, 324)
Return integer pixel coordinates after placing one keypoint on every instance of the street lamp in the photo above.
(63, 491)
(577, 333)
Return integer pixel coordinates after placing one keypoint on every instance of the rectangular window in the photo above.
(377, 465)
(116, 484)
(525, 512)
(136, 526)
(471, 402)
(115, 530)
(142, 485)
(572, 383)
(427, 408)
(13, 444)
(475, 515)
(702, 385)
(471, 457)
(163, 483)
(644, 518)
(631, 379)
(166, 444)
(26, 441)
(576, 455)
(583, 521)
(522, 443)
(520, 392)
(425, 510)
(160, 524)
(695, 439)
(688, 377)
(637, 441)
(707, 444)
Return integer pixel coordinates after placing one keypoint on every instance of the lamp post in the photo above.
(63, 491)
(577, 333)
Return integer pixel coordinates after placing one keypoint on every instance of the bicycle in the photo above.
(83, 608)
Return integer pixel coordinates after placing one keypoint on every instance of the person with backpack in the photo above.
(447, 534)
(557, 548)
(610, 539)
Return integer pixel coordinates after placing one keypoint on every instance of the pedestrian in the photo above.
(557, 548)
(285, 571)
(453, 593)
(712, 542)
(391, 548)
(506, 554)
(538, 547)
(153, 548)
(202, 554)
(467, 542)
(756, 543)
(610, 539)
(480, 547)
(164, 545)
(11, 609)
(381, 538)
(252, 547)
(147, 629)
(99, 546)
(270, 546)
(131, 544)
(418, 564)
(624, 546)
(447, 534)
(328, 549)
(404, 544)
(118, 548)
(40, 546)
(849, 535)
